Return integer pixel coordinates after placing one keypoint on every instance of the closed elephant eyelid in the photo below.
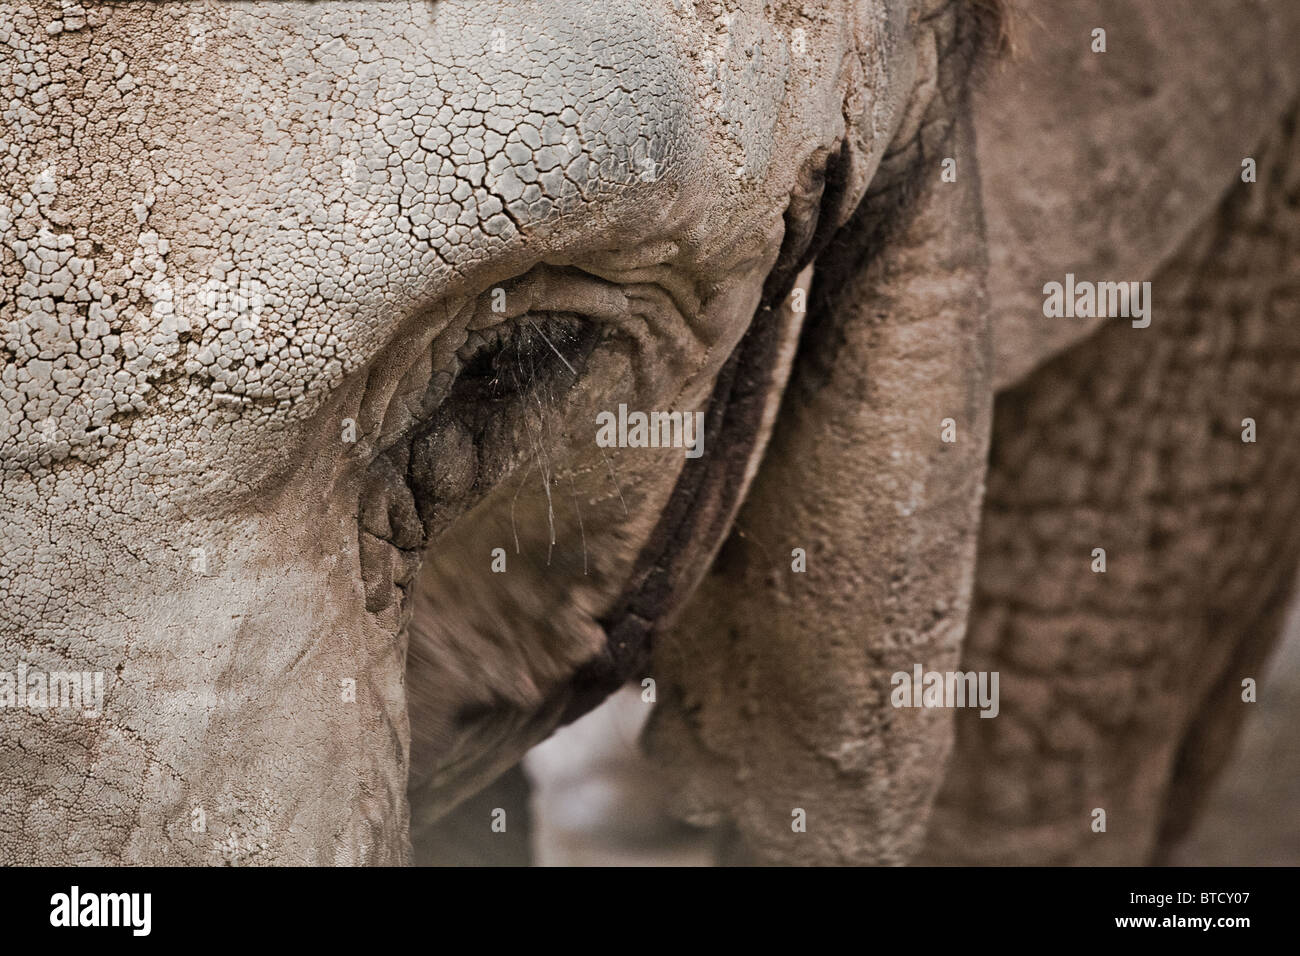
(551, 315)
(554, 314)
(468, 434)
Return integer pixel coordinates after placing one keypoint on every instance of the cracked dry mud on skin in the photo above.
(353, 182)
(308, 309)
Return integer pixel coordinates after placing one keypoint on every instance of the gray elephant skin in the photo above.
(326, 330)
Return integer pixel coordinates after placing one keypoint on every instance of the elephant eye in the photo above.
(537, 351)
(506, 405)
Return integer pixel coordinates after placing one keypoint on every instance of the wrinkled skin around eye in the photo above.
(262, 423)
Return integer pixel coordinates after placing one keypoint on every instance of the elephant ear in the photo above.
(1102, 163)
(851, 559)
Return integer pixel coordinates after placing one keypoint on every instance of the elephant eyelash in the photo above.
(536, 347)
(504, 405)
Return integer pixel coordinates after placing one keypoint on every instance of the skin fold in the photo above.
(307, 312)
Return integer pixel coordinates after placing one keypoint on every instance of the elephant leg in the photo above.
(1121, 691)
(1213, 732)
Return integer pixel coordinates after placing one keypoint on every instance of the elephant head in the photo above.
(310, 314)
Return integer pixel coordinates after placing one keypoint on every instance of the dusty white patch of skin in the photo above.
(225, 229)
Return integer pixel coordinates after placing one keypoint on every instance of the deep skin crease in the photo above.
(305, 309)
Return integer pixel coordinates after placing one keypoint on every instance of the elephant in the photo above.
(387, 383)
